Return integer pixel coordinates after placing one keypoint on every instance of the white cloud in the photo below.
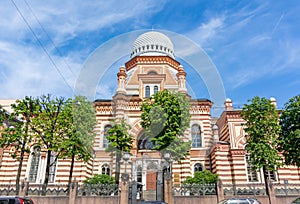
(25, 67)
(207, 31)
(27, 71)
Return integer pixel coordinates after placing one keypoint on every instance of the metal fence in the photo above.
(286, 189)
(194, 189)
(244, 189)
(61, 189)
(7, 190)
(98, 190)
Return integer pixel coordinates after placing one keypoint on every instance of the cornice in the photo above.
(237, 152)
(138, 60)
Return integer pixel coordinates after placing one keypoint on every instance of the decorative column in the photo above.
(124, 191)
(121, 80)
(220, 191)
(120, 98)
(181, 76)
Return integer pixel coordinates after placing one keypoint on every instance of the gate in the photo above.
(156, 185)
(134, 192)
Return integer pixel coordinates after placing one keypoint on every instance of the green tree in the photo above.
(262, 132)
(50, 127)
(18, 133)
(80, 136)
(99, 179)
(202, 177)
(2, 115)
(290, 137)
(165, 116)
(119, 141)
(178, 149)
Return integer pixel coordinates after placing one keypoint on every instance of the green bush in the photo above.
(202, 177)
(99, 179)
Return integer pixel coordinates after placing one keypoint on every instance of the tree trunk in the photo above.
(71, 172)
(266, 184)
(20, 169)
(44, 188)
(118, 158)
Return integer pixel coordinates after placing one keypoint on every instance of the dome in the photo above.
(152, 44)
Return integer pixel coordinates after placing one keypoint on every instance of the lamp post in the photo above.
(167, 157)
(125, 175)
(125, 180)
(168, 178)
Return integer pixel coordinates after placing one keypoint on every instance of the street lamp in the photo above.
(125, 175)
(168, 178)
(167, 157)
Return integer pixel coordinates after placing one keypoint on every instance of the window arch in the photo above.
(147, 91)
(34, 166)
(105, 169)
(144, 142)
(105, 142)
(196, 136)
(152, 72)
(198, 167)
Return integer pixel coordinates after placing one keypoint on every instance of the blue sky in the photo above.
(255, 45)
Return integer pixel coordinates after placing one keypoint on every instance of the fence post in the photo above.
(23, 188)
(168, 191)
(220, 191)
(272, 193)
(72, 192)
(124, 189)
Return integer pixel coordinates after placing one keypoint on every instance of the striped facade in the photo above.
(219, 146)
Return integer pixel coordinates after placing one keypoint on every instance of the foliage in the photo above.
(165, 116)
(79, 138)
(99, 179)
(119, 138)
(18, 134)
(50, 127)
(202, 177)
(19, 121)
(262, 132)
(178, 149)
(2, 115)
(80, 135)
(119, 141)
(290, 137)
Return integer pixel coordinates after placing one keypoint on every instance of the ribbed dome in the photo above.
(152, 44)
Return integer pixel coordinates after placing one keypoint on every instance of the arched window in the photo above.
(105, 142)
(147, 91)
(152, 72)
(144, 142)
(105, 169)
(155, 89)
(198, 167)
(34, 167)
(196, 136)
